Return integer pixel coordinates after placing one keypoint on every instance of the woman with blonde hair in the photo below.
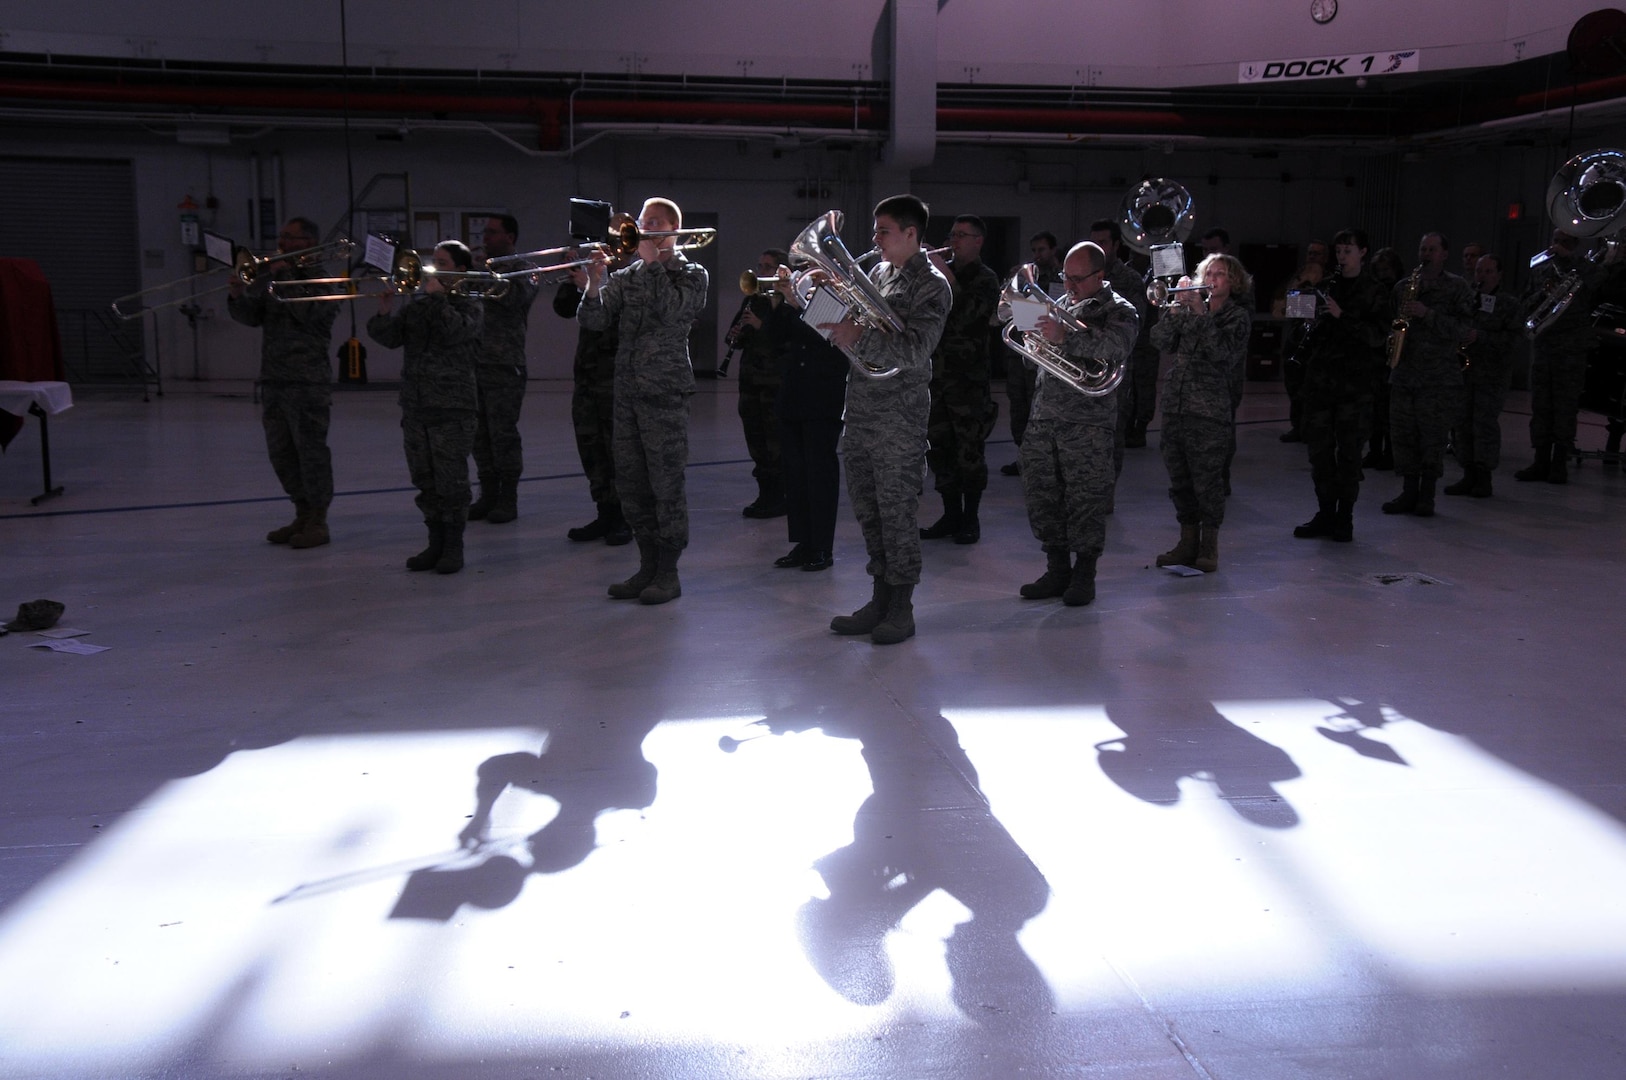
(1207, 330)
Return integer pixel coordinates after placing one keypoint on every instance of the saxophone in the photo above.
(1398, 328)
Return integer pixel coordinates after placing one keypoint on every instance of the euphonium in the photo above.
(1095, 377)
(1398, 328)
(820, 247)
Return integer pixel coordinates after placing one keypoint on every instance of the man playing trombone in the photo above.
(499, 457)
(884, 445)
(1067, 470)
(296, 385)
(652, 303)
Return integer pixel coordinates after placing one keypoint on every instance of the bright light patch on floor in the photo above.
(679, 925)
(1413, 855)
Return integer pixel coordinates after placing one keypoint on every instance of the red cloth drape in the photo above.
(30, 344)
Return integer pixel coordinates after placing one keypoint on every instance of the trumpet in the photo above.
(1094, 378)
(1161, 294)
(245, 269)
(752, 283)
(820, 247)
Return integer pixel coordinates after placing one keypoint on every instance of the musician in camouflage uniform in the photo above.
(296, 386)
(1209, 337)
(1425, 387)
(592, 416)
(500, 374)
(652, 304)
(1067, 451)
(439, 335)
(1127, 284)
(1339, 352)
(1558, 358)
(1498, 321)
(1020, 374)
(884, 445)
(963, 409)
(762, 371)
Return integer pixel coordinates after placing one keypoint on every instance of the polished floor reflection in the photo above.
(1336, 810)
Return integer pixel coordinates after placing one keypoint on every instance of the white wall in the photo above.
(1149, 43)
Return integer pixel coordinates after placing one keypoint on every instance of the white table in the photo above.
(44, 400)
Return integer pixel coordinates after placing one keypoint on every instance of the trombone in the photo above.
(625, 236)
(245, 269)
(408, 275)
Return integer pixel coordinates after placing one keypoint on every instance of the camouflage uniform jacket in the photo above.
(1110, 338)
(502, 338)
(1430, 354)
(439, 335)
(1499, 328)
(1340, 355)
(652, 305)
(594, 367)
(920, 296)
(1209, 350)
(294, 346)
(961, 355)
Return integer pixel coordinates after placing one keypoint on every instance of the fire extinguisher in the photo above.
(352, 362)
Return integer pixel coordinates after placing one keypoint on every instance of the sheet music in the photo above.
(379, 254)
(219, 248)
(824, 307)
(1025, 314)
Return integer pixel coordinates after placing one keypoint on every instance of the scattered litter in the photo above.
(1183, 571)
(80, 648)
(1405, 578)
(61, 632)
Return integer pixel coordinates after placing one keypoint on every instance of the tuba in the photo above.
(1397, 329)
(1585, 198)
(1093, 378)
(819, 247)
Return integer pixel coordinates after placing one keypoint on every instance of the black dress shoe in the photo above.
(819, 560)
(797, 556)
(1013, 468)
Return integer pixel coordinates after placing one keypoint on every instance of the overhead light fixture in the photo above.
(203, 136)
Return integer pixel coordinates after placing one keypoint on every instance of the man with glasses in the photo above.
(963, 409)
(296, 385)
(1067, 473)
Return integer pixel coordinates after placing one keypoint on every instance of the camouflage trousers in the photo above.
(1557, 378)
(1335, 431)
(957, 431)
(296, 420)
(1196, 450)
(438, 443)
(1478, 433)
(1067, 477)
(592, 414)
(497, 449)
(885, 471)
(651, 452)
(1419, 423)
(760, 419)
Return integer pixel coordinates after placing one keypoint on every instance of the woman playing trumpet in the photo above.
(1208, 333)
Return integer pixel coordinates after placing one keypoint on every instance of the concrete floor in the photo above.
(1334, 811)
